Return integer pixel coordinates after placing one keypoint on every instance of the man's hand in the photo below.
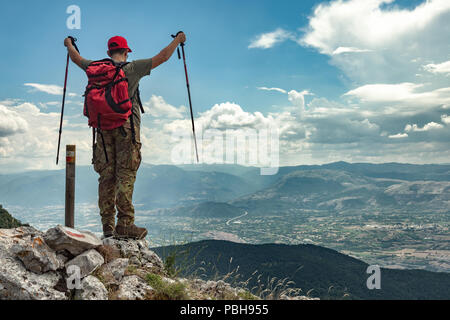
(167, 52)
(73, 53)
(181, 37)
(68, 42)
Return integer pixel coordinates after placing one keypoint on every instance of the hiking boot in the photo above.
(131, 231)
(108, 230)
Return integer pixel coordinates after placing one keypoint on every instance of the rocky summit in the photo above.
(69, 264)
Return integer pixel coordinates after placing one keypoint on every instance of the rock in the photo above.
(88, 262)
(37, 256)
(133, 288)
(134, 260)
(16, 282)
(138, 252)
(76, 242)
(111, 280)
(91, 289)
(21, 232)
(214, 289)
(128, 248)
(62, 259)
(113, 272)
(110, 241)
(152, 258)
(143, 243)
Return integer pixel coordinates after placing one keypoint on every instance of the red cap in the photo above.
(118, 42)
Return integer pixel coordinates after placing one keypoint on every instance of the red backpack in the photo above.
(107, 102)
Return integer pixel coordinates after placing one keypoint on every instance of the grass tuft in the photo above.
(165, 290)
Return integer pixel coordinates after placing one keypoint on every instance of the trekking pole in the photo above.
(189, 92)
(64, 97)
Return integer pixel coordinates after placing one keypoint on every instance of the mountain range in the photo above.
(333, 186)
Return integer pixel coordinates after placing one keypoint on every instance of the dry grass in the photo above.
(266, 289)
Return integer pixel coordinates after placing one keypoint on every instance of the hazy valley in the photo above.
(394, 215)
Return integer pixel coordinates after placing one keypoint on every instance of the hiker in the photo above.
(118, 157)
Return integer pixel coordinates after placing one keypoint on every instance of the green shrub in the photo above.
(165, 290)
(7, 221)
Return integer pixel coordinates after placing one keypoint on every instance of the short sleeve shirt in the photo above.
(134, 71)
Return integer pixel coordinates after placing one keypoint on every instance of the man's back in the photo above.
(134, 71)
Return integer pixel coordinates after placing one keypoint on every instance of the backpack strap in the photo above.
(99, 130)
(139, 100)
(104, 145)
(133, 130)
(94, 146)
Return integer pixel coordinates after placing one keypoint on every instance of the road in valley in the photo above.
(291, 240)
(228, 222)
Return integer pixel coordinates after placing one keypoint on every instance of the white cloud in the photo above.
(231, 116)
(298, 98)
(443, 68)
(32, 140)
(404, 93)
(223, 118)
(272, 89)
(10, 102)
(398, 136)
(45, 105)
(320, 131)
(384, 92)
(295, 97)
(445, 119)
(427, 127)
(341, 129)
(342, 50)
(394, 36)
(11, 122)
(365, 22)
(49, 88)
(270, 39)
(158, 107)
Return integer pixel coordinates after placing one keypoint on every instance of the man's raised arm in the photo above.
(167, 52)
(73, 53)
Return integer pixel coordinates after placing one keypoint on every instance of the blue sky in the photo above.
(221, 66)
(360, 81)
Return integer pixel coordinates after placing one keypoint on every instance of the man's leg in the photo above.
(125, 188)
(128, 162)
(107, 181)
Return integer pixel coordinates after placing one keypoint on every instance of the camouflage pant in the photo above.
(118, 175)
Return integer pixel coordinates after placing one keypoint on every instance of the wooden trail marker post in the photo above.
(70, 186)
